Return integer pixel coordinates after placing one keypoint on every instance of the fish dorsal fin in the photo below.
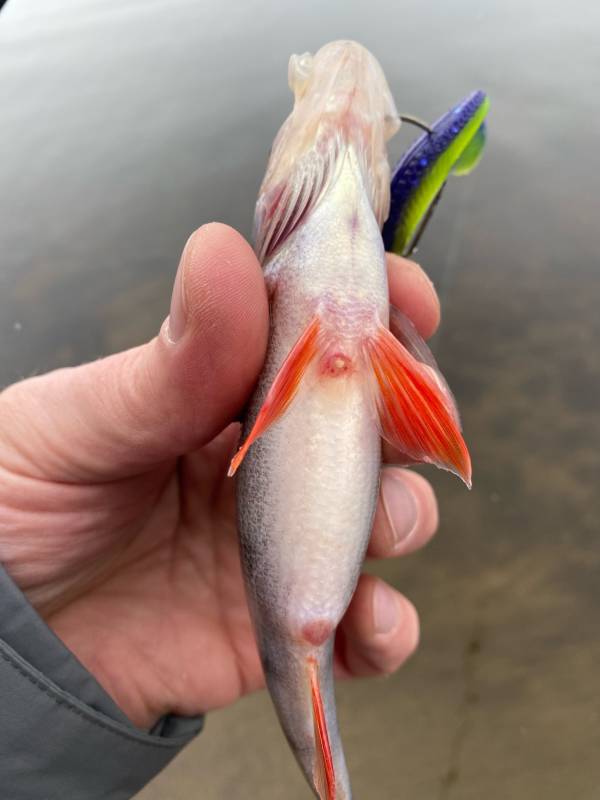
(284, 206)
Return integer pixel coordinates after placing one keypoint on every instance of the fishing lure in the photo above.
(453, 145)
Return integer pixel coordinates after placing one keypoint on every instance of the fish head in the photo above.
(341, 99)
(343, 86)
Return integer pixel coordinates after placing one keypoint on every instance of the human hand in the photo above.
(117, 519)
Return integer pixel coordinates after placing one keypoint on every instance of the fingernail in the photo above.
(400, 506)
(178, 311)
(386, 608)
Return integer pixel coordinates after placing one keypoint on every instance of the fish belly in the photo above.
(307, 488)
(307, 494)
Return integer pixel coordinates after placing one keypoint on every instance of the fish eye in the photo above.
(299, 71)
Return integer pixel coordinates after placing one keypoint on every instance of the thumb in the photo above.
(125, 413)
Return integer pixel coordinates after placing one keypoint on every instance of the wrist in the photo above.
(111, 666)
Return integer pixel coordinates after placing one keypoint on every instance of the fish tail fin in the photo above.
(324, 772)
(415, 408)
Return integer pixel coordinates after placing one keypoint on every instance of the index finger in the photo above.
(413, 293)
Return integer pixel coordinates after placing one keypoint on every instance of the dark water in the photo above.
(125, 125)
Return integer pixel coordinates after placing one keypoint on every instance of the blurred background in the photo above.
(125, 125)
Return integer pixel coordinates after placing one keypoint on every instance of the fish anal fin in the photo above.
(284, 388)
(416, 413)
(324, 773)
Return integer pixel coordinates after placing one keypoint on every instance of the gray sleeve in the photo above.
(61, 736)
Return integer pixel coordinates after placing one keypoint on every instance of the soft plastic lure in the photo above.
(453, 145)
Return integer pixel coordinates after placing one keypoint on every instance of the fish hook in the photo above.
(412, 120)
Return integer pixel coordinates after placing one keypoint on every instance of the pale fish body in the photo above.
(308, 482)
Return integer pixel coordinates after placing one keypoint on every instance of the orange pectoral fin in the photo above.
(283, 390)
(416, 412)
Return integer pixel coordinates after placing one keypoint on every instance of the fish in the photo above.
(453, 145)
(335, 381)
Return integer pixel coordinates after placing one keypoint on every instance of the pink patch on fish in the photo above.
(317, 632)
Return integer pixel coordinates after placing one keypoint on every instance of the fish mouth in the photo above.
(343, 79)
(342, 102)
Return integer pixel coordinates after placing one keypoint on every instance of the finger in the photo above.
(134, 409)
(412, 292)
(407, 514)
(391, 456)
(379, 632)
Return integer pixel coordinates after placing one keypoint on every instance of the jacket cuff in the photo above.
(61, 735)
